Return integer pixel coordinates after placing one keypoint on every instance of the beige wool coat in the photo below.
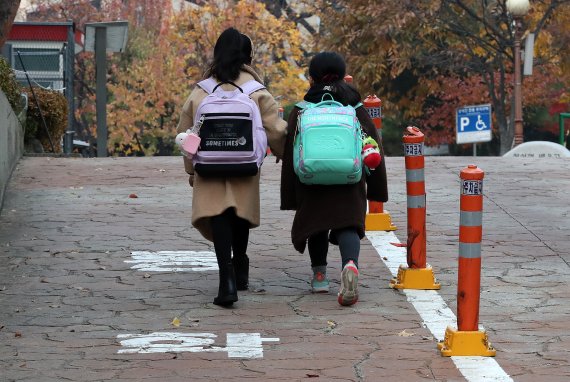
(212, 196)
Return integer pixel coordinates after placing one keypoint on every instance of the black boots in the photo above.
(241, 267)
(227, 293)
(234, 276)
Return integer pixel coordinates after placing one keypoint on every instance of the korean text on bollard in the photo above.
(418, 274)
(376, 219)
(468, 340)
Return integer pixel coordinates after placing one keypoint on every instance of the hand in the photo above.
(191, 180)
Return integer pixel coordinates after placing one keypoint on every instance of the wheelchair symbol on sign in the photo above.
(480, 125)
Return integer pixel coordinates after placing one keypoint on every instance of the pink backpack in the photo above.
(233, 140)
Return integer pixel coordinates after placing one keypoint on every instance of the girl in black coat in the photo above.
(332, 213)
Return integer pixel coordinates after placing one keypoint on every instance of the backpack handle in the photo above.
(329, 102)
(227, 82)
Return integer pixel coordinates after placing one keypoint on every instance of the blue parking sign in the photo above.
(473, 124)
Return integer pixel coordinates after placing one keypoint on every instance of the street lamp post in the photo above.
(518, 9)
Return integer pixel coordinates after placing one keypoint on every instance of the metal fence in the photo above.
(42, 54)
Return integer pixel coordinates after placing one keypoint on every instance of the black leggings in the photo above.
(348, 243)
(230, 232)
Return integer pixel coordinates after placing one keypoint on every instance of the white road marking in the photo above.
(246, 345)
(174, 261)
(238, 345)
(434, 312)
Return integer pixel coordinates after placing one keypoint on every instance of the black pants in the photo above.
(348, 243)
(230, 233)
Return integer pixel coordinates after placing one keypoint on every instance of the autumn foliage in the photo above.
(424, 59)
(149, 93)
(167, 53)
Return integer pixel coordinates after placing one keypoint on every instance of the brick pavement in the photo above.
(66, 293)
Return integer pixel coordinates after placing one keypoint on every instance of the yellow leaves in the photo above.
(404, 333)
(149, 92)
(479, 51)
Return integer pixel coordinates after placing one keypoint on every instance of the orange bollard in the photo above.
(373, 105)
(416, 191)
(468, 340)
(376, 219)
(418, 274)
(470, 235)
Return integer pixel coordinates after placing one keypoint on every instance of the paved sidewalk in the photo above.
(68, 297)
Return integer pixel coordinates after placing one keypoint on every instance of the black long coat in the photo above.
(321, 208)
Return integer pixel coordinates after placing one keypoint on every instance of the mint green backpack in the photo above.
(328, 143)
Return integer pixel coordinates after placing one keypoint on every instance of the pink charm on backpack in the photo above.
(189, 142)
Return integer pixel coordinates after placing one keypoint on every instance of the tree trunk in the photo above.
(506, 129)
(8, 10)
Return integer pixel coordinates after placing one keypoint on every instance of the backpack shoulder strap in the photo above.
(251, 86)
(208, 85)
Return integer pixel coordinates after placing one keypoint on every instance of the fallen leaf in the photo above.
(133, 196)
(399, 244)
(18, 334)
(331, 324)
(403, 333)
(385, 258)
(176, 322)
(312, 375)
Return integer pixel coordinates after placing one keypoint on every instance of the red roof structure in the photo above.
(45, 31)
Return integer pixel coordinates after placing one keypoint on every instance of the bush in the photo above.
(9, 85)
(53, 105)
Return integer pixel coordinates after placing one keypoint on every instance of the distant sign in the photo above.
(473, 124)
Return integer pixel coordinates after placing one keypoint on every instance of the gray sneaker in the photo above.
(348, 293)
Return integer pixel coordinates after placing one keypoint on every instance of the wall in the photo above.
(11, 143)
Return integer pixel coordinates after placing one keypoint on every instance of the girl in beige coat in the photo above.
(225, 209)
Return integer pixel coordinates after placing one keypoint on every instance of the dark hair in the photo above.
(329, 68)
(246, 49)
(232, 50)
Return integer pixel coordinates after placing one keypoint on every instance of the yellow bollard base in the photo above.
(465, 343)
(415, 278)
(379, 222)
